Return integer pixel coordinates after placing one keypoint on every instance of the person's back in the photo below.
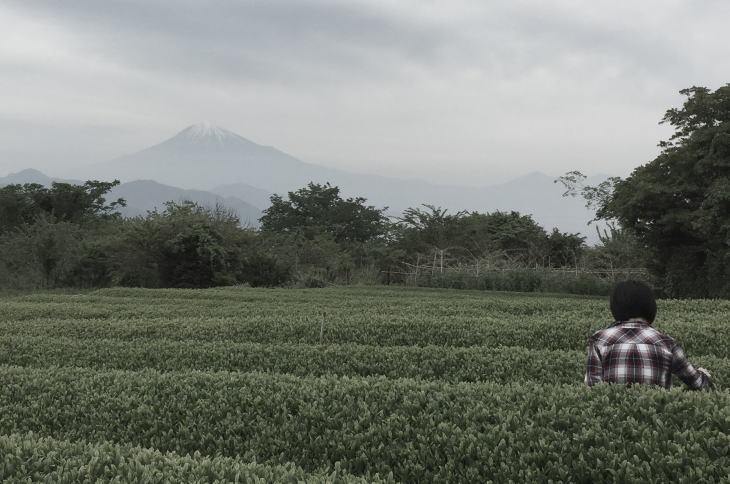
(632, 351)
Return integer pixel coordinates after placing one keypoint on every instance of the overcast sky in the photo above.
(457, 91)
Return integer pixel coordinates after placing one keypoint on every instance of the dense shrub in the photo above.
(443, 432)
(525, 280)
(263, 270)
(29, 457)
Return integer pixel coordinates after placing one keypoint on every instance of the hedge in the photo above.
(419, 431)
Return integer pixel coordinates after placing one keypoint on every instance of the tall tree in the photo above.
(22, 204)
(470, 236)
(319, 209)
(678, 204)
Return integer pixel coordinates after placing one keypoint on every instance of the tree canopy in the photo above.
(319, 209)
(678, 205)
(473, 236)
(22, 204)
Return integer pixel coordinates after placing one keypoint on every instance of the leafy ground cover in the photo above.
(341, 384)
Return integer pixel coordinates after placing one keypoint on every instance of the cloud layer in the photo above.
(460, 92)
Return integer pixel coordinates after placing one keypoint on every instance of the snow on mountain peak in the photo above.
(206, 135)
(206, 130)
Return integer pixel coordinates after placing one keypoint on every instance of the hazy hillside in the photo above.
(253, 195)
(145, 195)
(31, 176)
(203, 157)
(215, 159)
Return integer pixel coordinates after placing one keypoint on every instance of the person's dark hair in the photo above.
(633, 299)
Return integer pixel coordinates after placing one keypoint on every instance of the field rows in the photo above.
(453, 364)
(29, 456)
(266, 318)
(419, 431)
(404, 385)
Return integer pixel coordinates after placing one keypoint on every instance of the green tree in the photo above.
(319, 209)
(41, 255)
(678, 205)
(22, 204)
(185, 245)
(618, 248)
(428, 229)
(564, 250)
(432, 233)
(517, 236)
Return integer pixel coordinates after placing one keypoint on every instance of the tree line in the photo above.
(670, 216)
(70, 236)
(676, 207)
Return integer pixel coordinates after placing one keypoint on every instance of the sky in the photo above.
(459, 92)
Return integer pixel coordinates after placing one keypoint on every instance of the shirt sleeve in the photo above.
(694, 379)
(594, 366)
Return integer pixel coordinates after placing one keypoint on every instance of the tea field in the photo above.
(345, 384)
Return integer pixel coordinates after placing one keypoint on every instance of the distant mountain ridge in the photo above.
(203, 156)
(31, 175)
(253, 195)
(146, 195)
(209, 158)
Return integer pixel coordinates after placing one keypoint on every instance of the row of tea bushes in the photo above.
(31, 458)
(418, 431)
(699, 339)
(465, 364)
(393, 301)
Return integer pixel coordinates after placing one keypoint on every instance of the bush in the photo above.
(261, 270)
(522, 280)
(525, 432)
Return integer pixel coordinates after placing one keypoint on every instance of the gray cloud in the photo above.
(461, 91)
(272, 41)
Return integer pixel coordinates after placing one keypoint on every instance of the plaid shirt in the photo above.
(634, 352)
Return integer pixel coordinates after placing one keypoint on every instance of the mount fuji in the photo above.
(204, 156)
(211, 158)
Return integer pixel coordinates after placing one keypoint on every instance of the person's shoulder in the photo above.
(604, 335)
(657, 337)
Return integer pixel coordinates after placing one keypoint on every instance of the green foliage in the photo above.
(564, 249)
(323, 238)
(678, 205)
(595, 197)
(194, 257)
(312, 239)
(374, 316)
(319, 209)
(23, 204)
(403, 385)
(444, 432)
(421, 231)
(521, 280)
(42, 255)
(618, 248)
(56, 237)
(185, 245)
(432, 233)
(29, 456)
(453, 364)
(261, 270)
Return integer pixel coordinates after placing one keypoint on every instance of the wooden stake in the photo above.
(321, 328)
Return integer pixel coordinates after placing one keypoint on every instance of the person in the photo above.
(631, 350)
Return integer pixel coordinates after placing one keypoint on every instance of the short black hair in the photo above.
(633, 299)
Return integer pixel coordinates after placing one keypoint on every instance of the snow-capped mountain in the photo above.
(203, 156)
(206, 131)
(207, 157)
